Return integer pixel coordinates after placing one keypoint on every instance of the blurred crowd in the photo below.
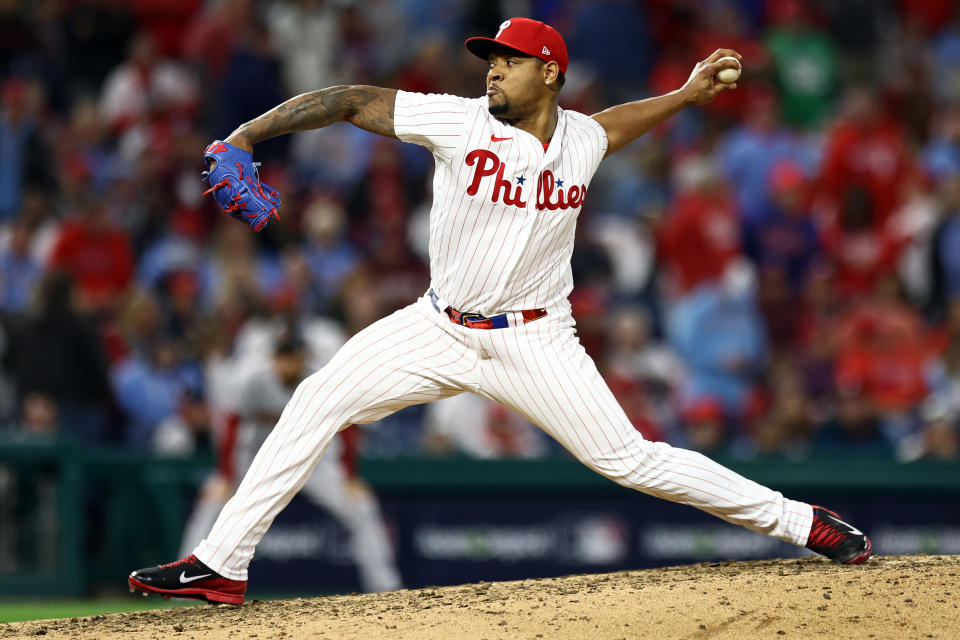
(777, 273)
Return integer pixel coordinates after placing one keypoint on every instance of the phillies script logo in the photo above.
(550, 191)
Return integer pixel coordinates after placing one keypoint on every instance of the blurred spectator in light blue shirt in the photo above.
(148, 388)
(722, 340)
(20, 271)
(330, 256)
(945, 52)
(946, 243)
(19, 144)
(941, 157)
(747, 155)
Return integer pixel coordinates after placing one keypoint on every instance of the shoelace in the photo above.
(219, 185)
(237, 205)
(825, 534)
(190, 559)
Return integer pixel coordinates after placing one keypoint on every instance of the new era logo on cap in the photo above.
(531, 37)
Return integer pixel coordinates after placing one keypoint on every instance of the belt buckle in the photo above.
(470, 317)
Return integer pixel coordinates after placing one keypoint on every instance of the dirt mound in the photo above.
(890, 597)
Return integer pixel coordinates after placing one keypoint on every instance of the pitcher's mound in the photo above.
(889, 597)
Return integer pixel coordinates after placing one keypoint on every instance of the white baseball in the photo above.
(729, 75)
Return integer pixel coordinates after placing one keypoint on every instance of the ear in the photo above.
(550, 72)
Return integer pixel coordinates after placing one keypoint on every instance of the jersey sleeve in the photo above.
(597, 141)
(435, 121)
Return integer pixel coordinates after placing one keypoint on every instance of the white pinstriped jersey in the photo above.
(504, 209)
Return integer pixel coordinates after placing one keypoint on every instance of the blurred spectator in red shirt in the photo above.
(211, 38)
(672, 67)
(705, 427)
(422, 73)
(97, 254)
(930, 15)
(165, 22)
(633, 397)
(862, 248)
(381, 198)
(866, 150)
(699, 237)
(883, 350)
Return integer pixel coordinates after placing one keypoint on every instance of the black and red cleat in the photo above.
(188, 578)
(832, 537)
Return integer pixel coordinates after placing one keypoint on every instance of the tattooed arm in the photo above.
(369, 108)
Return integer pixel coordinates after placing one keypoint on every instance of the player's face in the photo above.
(289, 367)
(514, 83)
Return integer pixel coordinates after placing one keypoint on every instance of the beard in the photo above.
(500, 109)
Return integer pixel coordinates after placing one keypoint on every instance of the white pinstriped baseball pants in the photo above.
(539, 369)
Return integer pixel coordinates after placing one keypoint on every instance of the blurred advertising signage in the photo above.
(591, 540)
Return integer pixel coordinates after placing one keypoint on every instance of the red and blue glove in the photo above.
(235, 185)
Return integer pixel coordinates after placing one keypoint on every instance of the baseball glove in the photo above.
(235, 185)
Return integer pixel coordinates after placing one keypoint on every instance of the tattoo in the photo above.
(369, 108)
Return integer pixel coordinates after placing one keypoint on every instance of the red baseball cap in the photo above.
(531, 37)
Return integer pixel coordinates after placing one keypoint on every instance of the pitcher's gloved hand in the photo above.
(236, 186)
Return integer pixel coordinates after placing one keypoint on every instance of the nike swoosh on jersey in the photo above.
(184, 579)
(494, 138)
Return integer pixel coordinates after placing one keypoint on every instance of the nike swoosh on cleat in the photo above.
(184, 579)
(494, 138)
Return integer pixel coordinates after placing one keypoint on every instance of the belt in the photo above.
(477, 321)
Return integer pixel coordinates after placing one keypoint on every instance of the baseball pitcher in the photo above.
(512, 172)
